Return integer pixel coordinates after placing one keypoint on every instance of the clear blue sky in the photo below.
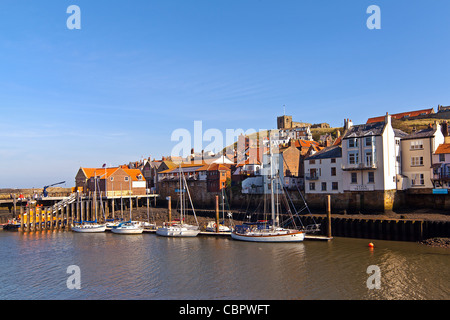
(137, 70)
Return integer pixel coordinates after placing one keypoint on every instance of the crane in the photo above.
(45, 188)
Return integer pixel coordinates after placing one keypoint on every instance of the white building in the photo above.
(323, 171)
(371, 156)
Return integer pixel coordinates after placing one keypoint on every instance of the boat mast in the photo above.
(272, 202)
(181, 198)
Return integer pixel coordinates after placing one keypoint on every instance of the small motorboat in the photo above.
(129, 227)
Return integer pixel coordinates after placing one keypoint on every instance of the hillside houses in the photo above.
(369, 166)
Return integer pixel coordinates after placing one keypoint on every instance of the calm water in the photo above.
(34, 266)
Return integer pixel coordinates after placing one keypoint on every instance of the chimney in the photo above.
(347, 124)
(387, 118)
(445, 128)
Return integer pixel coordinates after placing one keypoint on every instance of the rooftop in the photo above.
(402, 115)
(327, 153)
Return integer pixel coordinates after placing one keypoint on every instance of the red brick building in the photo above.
(113, 181)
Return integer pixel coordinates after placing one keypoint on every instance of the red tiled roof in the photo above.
(443, 148)
(402, 115)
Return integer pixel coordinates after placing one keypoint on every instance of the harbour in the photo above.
(149, 267)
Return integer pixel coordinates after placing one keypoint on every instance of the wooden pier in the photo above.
(59, 213)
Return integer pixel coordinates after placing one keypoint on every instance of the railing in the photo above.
(443, 176)
(360, 166)
(312, 177)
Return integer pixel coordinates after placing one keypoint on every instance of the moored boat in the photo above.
(129, 227)
(268, 231)
(89, 228)
(176, 229)
(179, 228)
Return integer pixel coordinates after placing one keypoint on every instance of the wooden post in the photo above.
(32, 219)
(87, 214)
(81, 211)
(106, 210)
(113, 205)
(58, 218)
(38, 219)
(15, 205)
(148, 213)
(28, 225)
(329, 216)
(45, 218)
(217, 213)
(121, 206)
(51, 227)
(22, 218)
(170, 208)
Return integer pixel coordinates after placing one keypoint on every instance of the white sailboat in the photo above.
(212, 225)
(179, 228)
(268, 232)
(90, 226)
(128, 227)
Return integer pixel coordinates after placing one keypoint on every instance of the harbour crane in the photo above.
(45, 193)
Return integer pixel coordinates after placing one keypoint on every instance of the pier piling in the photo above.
(169, 207)
(217, 214)
(329, 216)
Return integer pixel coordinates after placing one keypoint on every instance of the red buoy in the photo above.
(371, 245)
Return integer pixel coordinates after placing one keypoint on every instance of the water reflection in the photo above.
(151, 267)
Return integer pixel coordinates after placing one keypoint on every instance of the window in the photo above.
(441, 157)
(353, 143)
(112, 178)
(418, 179)
(354, 177)
(369, 160)
(324, 186)
(371, 177)
(333, 171)
(333, 160)
(312, 161)
(353, 157)
(416, 145)
(334, 186)
(126, 178)
(368, 141)
(416, 161)
(312, 186)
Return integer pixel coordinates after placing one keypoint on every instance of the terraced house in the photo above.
(371, 162)
(417, 150)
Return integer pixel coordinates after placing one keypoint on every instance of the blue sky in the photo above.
(115, 90)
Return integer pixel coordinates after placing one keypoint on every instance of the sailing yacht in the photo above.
(264, 231)
(90, 226)
(179, 228)
(128, 227)
(212, 225)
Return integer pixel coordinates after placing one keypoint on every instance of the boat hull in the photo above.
(177, 232)
(92, 229)
(291, 236)
(127, 231)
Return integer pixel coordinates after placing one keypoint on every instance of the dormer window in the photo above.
(353, 143)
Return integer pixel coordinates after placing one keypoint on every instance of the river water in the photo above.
(146, 266)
